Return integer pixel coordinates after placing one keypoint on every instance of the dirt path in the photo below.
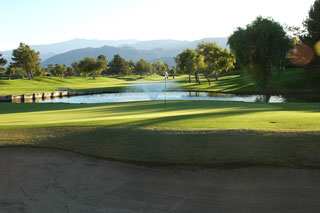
(33, 180)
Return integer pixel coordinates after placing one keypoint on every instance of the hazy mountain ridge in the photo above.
(153, 50)
(157, 50)
(175, 44)
(49, 50)
(128, 53)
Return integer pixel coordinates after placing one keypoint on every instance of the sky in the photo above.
(51, 21)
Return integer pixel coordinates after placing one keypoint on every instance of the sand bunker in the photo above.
(34, 180)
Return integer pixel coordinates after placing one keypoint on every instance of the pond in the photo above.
(164, 95)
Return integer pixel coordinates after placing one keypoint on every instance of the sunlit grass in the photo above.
(175, 114)
(180, 132)
(48, 84)
(293, 80)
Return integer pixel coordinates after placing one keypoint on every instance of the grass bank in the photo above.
(176, 147)
(49, 84)
(292, 81)
(183, 133)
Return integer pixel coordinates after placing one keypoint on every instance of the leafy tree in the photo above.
(215, 59)
(202, 67)
(131, 63)
(125, 70)
(102, 62)
(312, 24)
(173, 71)
(11, 70)
(160, 67)
(132, 66)
(143, 67)
(49, 69)
(166, 65)
(2, 61)
(118, 65)
(70, 71)
(75, 66)
(59, 70)
(187, 61)
(26, 58)
(149, 68)
(101, 65)
(86, 65)
(296, 33)
(39, 71)
(92, 66)
(312, 37)
(260, 47)
(178, 70)
(102, 57)
(2, 69)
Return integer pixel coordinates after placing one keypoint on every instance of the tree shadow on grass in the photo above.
(162, 119)
(181, 147)
(121, 106)
(182, 111)
(145, 114)
(4, 82)
(188, 107)
(10, 108)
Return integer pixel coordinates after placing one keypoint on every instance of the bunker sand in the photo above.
(43, 180)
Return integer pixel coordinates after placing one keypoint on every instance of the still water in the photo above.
(161, 96)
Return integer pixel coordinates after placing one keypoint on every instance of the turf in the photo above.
(173, 114)
(178, 132)
(222, 148)
(292, 80)
(49, 84)
(184, 133)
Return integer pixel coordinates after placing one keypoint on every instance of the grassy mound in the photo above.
(184, 133)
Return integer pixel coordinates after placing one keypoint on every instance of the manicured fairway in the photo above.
(178, 132)
(48, 84)
(175, 114)
(185, 132)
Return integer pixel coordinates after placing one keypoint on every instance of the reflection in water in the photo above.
(47, 98)
(144, 96)
(29, 100)
(39, 100)
(55, 98)
(302, 98)
(17, 100)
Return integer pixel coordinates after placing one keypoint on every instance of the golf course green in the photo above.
(185, 132)
(206, 133)
(175, 114)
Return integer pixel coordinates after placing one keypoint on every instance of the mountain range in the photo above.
(154, 50)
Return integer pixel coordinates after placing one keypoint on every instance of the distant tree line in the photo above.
(264, 45)
(26, 62)
(208, 59)
(260, 47)
(311, 34)
(117, 66)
